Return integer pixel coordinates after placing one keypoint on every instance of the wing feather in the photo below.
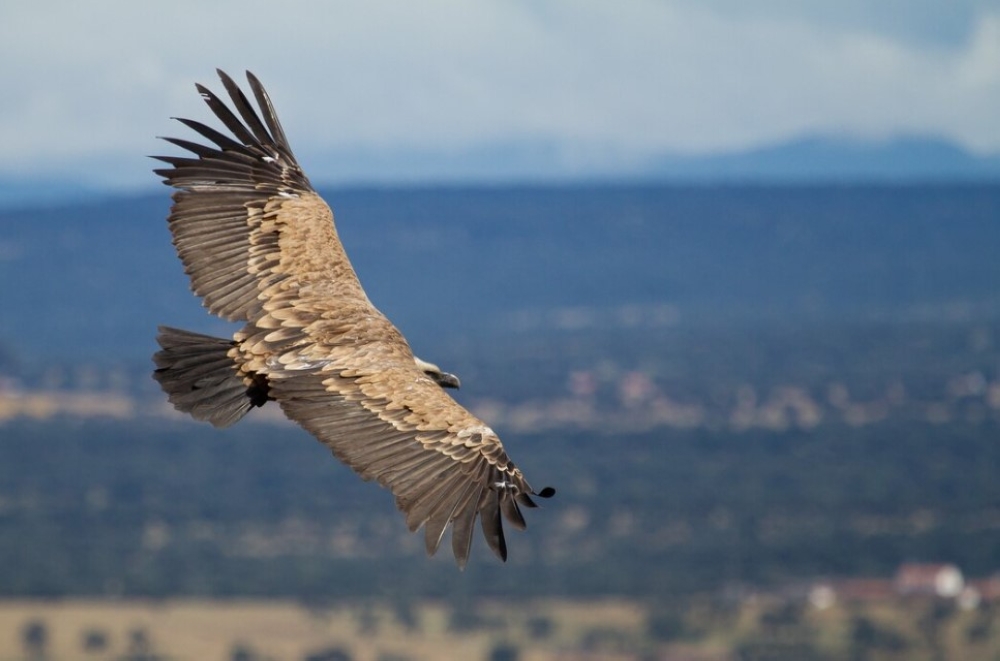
(465, 520)
(247, 113)
(437, 521)
(221, 140)
(489, 519)
(193, 147)
(270, 116)
(511, 512)
(442, 494)
(232, 122)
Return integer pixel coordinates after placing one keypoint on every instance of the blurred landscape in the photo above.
(765, 409)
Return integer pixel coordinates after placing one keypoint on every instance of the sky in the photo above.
(378, 88)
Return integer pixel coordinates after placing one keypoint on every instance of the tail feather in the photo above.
(201, 379)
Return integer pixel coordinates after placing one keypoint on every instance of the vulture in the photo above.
(261, 249)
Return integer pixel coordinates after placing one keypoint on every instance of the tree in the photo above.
(867, 636)
(140, 648)
(35, 639)
(94, 641)
(540, 626)
(242, 652)
(504, 652)
(329, 654)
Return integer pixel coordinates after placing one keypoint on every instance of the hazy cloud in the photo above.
(86, 86)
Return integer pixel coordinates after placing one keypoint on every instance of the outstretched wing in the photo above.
(246, 222)
(396, 426)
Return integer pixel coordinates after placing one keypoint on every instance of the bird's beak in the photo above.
(446, 380)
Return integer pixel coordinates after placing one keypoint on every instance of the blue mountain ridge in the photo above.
(807, 159)
(820, 158)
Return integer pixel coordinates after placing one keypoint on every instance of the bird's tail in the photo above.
(202, 379)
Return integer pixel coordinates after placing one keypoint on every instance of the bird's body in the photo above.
(261, 248)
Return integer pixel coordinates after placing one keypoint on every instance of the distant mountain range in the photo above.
(810, 159)
(824, 159)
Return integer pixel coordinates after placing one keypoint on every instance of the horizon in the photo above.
(802, 161)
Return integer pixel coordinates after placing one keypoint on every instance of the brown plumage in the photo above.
(260, 247)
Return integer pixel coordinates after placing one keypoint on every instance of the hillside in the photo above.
(95, 280)
(728, 386)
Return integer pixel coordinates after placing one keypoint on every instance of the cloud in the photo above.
(88, 85)
(918, 23)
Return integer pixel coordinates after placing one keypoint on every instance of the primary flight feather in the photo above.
(260, 247)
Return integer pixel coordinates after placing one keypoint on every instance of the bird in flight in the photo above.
(260, 247)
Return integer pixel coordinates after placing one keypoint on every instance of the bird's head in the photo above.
(443, 379)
